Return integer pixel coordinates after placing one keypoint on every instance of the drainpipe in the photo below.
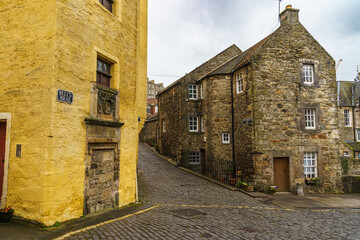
(353, 117)
(232, 124)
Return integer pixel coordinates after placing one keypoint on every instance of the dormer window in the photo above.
(308, 71)
(103, 73)
(108, 4)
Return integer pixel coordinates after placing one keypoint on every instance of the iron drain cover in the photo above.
(189, 213)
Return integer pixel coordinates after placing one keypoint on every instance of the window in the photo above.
(226, 138)
(347, 118)
(346, 153)
(148, 109)
(358, 135)
(202, 123)
(308, 71)
(310, 164)
(192, 91)
(108, 4)
(103, 73)
(193, 124)
(358, 155)
(164, 125)
(310, 122)
(202, 91)
(239, 83)
(194, 157)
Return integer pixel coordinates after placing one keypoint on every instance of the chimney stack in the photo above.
(289, 15)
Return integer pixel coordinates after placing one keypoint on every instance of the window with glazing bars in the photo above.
(194, 157)
(310, 122)
(103, 73)
(310, 164)
(193, 124)
(347, 118)
(239, 83)
(308, 71)
(192, 91)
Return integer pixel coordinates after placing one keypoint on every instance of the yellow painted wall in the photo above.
(51, 45)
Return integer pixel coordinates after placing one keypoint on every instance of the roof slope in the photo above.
(237, 61)
(229, 49)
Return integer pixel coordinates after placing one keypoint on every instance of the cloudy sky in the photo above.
(186, 33)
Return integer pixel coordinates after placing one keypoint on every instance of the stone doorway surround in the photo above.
(6, 117)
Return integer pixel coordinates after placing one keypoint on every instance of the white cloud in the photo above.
(185, 33)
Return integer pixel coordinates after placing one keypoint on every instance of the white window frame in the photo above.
(192, 92)
(202, 91)
(163, 125)
(225, 137)
(358, 135)
(347, 117)
(202, 123)
(346, 153)
(308, 73)
(239, 83)
(194, 158)
(193, 123)
(310, 164)
(310, 118)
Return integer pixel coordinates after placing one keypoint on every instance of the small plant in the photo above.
(274, 189)
(6, 210)
(312, 181)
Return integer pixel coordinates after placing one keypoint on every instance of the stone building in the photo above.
(270, 110)
(152, 90)
(73, 90)
(184, 128)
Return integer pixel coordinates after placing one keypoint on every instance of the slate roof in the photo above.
(354, 145)
(179, 80)
(237, 61)
(153, 117)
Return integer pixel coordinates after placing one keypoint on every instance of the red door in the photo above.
(2, 153)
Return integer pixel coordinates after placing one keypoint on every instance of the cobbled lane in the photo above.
(189, 207)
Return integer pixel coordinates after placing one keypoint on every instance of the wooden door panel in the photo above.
(281, 174)
(2, 153)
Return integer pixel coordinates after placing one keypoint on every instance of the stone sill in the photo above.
(92, 121)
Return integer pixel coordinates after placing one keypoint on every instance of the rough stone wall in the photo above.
(243, 122)
(347, 133)
(217, 112)
(280, 100)
(149, 132)
(57, 43)
(195, 141)
(170, 113)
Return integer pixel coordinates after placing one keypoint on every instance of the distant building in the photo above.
(152, 102)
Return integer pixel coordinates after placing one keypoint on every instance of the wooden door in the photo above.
(203, 161)
(281, 174)
(2, 154)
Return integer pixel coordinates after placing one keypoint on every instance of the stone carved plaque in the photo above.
(106, 102)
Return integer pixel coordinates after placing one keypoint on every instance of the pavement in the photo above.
(178, 204)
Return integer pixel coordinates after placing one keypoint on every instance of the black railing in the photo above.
(223, 171)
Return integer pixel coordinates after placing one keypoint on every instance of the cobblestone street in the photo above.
(189, 207)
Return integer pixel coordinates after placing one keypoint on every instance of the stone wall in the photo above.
(170, 117)
(150, 131)
(243, 122)
(351, 184)
(217, 113)
(280, 99)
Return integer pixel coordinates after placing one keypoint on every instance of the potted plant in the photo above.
(312, 181)
(6, 214)
(274, 189)
(247, 187)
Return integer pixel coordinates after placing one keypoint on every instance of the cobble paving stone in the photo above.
(225, 214)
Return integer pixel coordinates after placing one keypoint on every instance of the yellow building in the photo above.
(73, 94)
